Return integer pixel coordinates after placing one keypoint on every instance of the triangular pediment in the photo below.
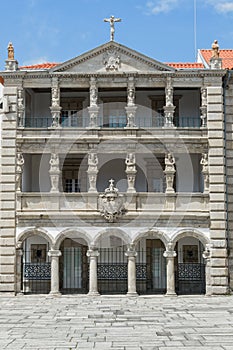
(111, 57)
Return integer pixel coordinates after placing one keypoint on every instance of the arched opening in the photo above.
(112, 267)
(190, 266)
(150, 266)
(73, 265)
(35, 265)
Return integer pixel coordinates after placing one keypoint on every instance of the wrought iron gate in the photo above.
(35, 271)
(73, 268)
(151, 268)
(112, 270)
(190, 278)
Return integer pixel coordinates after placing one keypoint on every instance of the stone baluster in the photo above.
(19, 170)
(19, 254)
(92, 171)
(131, 108)
(169, 172)
(55, 104)
(131, 254)
(207, 256)
(93, 109)
(54, 255)
(203, 107)
(170, 255)
(131, 171)
(54, 172)
(93, 254)
(205, 172)
(169, 108)
(20, 107)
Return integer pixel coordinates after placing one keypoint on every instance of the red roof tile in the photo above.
(226, 55)
(40, 66)
(187, 65)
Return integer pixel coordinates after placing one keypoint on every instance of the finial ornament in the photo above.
(112, 21)
(10, 49)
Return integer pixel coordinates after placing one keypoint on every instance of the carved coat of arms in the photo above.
(111, 203)
(111, 60)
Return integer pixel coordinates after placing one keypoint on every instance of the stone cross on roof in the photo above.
(112, 21)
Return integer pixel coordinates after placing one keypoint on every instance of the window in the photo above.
(72, 185)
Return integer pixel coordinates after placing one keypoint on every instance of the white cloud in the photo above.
(221, 6)
(161, 6)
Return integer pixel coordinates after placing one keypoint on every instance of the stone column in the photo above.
(131, 254)
(205, 172)
(131, 171)
(54, 172)
(20, 107)
(92, 171)
(55, 104)
(54, 254)
(93, 109)
(169, 108)
(93, 254)
(207, 256)
(19, 254)
(19, 171)
(169, 172)
(170, 255)
(131, 108)
(203, 107)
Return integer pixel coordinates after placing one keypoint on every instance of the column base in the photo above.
(132, 294)
(55, 294)
(93, 294)
(170, 294)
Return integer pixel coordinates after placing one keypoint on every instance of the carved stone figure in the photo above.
(112, 21)
(54, 162)
(169, 93)
(92, 160)
(111, 203)
(55, 97)
(203, 96)
(111, 60)
(93, 92)
(169, 162)
(19, 170)
(11, 55)
(130, 162)
(205, 171)
(131, 96)
(215, 49)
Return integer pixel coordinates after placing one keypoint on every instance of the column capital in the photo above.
(131, 253)
(169, 254)
(92, 253)
(54, 253)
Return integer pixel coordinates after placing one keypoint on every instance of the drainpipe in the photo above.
(225, 87)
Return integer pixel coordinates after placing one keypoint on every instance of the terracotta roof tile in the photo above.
(40, 66)
(226, 55)
(186, 65)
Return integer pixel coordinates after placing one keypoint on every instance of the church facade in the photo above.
(116, 175)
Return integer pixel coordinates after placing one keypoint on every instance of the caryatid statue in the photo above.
(19, 170)
(112, 21)
(169, 172)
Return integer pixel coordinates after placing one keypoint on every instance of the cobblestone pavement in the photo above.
(116, 322)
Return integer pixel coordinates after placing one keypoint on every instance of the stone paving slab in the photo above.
(116, 323)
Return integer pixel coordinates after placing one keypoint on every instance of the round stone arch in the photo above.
(154, 234)
(115, 232)
(189, 233)
(34, 232)
(71, 233)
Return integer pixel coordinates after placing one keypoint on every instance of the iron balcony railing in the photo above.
(112, 123)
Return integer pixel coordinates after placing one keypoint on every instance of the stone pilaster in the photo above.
(207, 256)
(19, 171)
(131, 107)
(203, 107)
(20, 107)
(169, 172)
(170, 255)
(54, 172)
(93, 282)
(205, 172)
(7, 190)
(54, 255)
(169, 108)
(217, 190)
(131, 171)
(93, 109)
(55, 104)
(131, 254)
(19, 254)
(92, 171)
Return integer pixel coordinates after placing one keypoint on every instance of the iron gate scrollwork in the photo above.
(190, 278)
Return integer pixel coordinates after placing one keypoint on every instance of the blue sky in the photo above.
(55, 31)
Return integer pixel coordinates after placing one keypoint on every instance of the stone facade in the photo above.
(158, 132)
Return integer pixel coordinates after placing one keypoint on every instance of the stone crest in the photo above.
(111, 203)
(111, 60)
